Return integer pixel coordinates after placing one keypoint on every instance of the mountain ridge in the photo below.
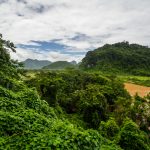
(60, 65)
(35, 63)
(119, 57)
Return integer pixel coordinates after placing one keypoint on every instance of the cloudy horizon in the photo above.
(65, 30)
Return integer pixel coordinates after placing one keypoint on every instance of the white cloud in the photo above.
(44, 20)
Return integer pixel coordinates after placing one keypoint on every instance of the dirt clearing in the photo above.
(134, 88)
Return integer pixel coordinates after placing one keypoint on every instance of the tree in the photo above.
(132, 138)
(140, 112)
(9, 69)
(5, 47)
(7, 65)
(109, 129)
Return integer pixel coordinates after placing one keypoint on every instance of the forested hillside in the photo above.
(72, 110)
(58, 65)
(119, 58)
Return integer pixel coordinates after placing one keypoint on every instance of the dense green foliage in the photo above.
(109, 129)
(35, 64)
(119, 58)
(29, 123)
(7, 65)
(59, 65)
(90, 95)
(68, 110)
(131, 138)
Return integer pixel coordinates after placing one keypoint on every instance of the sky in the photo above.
(66, 29)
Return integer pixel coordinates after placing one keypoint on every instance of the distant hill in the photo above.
(35, 64)
(119, 57)
(73, 62)
(60, 65)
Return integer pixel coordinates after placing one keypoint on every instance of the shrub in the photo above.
(109, 129)
(131, 138)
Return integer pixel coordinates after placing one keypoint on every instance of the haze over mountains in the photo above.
(60, 65)
(119, 57)
(35, 64)
(45, 64)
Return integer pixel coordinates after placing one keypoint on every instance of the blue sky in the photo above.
(65, 30)
(50, 46)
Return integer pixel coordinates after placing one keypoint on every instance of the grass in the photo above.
(140, 80)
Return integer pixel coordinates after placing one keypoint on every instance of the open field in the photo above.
(140, 90)
(140, 80)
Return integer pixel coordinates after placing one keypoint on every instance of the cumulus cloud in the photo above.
(80, 25)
